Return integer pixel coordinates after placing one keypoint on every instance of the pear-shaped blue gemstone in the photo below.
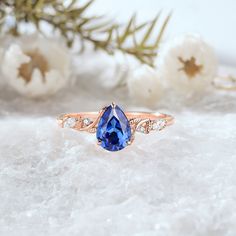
(113, 131)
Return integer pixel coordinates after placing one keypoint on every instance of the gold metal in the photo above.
(129, 142)
(139, 121)
(136, 119)
(113, 104)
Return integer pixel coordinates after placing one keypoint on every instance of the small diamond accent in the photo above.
(70, 122)
(141, 129)
(159, 125)
(87, 121)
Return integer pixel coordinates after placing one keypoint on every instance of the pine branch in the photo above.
(72, 22)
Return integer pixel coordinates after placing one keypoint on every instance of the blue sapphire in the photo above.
(113, 131)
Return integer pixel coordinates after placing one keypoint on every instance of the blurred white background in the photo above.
(215, 20)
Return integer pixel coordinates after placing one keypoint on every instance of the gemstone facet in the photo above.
(113, 131)
(87, 121)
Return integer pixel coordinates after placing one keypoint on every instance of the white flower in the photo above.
(188, 64)
(36, 66)
(145, 86)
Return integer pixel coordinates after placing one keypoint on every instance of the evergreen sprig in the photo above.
(72, 21)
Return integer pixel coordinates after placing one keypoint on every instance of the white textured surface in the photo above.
(181, 181)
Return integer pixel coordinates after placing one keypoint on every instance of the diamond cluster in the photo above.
(159, 125)
(152, 125)
(72, 122)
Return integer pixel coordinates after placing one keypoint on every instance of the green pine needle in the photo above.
(73, 23)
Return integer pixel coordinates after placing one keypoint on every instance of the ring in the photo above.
(115, 129)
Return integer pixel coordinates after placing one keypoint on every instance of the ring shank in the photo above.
(151, 116)
(130, 115)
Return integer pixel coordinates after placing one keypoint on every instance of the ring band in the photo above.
(114, 128)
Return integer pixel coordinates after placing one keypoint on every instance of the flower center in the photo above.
(36, 61)
(190, 67)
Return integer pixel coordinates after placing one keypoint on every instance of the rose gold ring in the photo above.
(115, 129)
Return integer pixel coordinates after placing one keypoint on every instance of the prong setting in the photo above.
(113, 104)
(129, 142)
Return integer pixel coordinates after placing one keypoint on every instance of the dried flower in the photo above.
(36, 66)
(145, 86)
(188, 64)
